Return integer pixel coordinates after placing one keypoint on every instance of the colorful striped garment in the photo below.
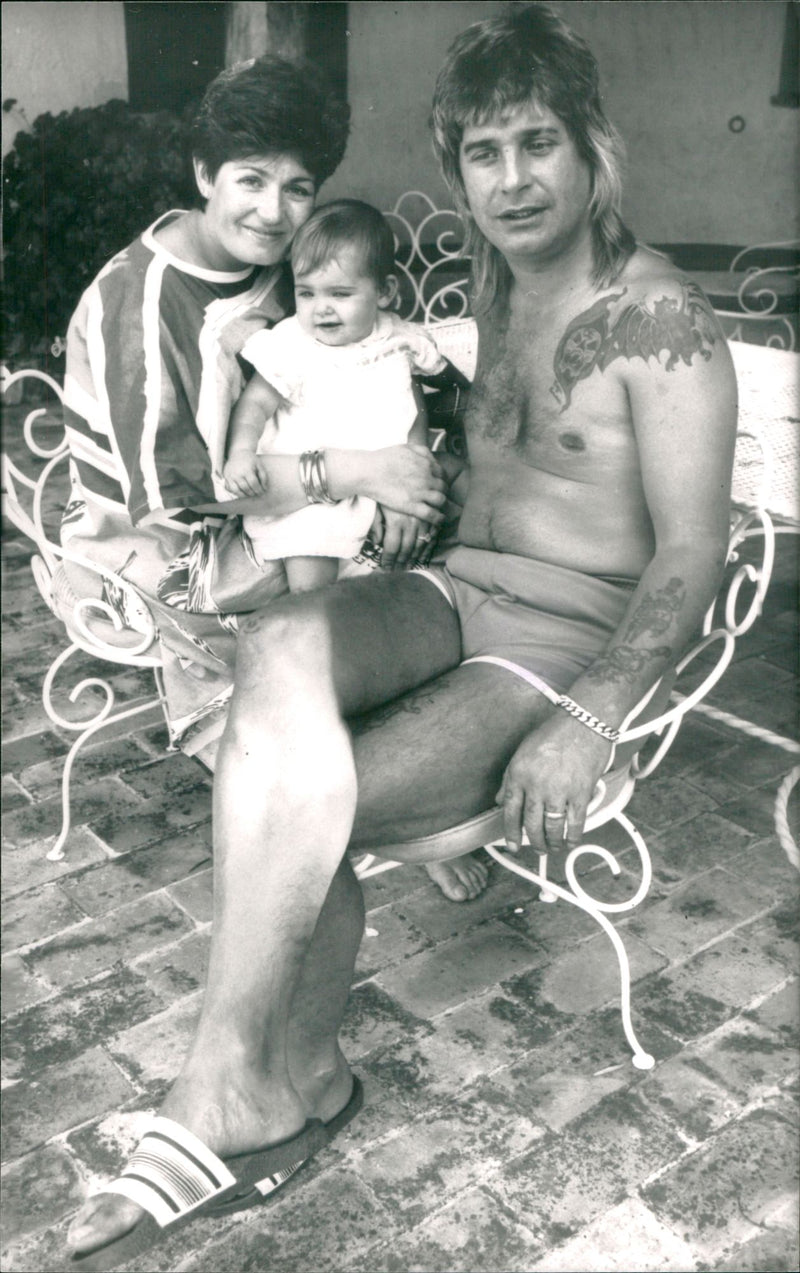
(152, 374)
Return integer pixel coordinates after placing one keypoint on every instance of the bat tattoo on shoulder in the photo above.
(680, 327)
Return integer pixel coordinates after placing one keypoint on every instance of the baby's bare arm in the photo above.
(257, 404)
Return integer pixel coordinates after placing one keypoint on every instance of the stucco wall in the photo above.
(57, 56)
(673, 74)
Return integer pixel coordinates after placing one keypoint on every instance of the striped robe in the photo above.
(152, 373)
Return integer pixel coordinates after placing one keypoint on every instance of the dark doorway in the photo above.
(173, 52)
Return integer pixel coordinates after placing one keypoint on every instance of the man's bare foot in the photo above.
(462, 879)
(245, 1125)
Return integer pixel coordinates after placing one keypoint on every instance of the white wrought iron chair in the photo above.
(434, 277)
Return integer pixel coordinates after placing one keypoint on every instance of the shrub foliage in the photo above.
(77, 189)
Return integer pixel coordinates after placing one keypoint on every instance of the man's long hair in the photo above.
(526, 55)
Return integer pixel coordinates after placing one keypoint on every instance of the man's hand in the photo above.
(407, 479)
(244, 475)
(549, 784)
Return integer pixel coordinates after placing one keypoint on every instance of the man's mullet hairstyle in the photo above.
(499, 65)
(268, 106)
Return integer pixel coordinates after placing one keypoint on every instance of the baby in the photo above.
(337, 374)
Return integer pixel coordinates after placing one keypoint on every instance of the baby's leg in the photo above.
(306, 573)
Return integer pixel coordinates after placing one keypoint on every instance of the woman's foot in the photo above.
(246, 1123)
(462, 879)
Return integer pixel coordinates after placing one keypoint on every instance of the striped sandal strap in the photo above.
(172, 1173)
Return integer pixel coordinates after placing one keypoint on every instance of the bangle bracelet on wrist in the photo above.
(586, 718)
(314, 478)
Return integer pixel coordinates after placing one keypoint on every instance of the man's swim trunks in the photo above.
(546, 619)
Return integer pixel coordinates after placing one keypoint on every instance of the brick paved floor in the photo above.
(504, 1127)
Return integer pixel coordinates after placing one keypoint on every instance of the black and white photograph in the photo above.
(400, 558)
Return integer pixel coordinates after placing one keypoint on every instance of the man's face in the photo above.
(527, 187)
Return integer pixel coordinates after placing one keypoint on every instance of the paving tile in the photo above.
(589, 977)
(28, 866)
(12, 794)
(43, 1250)
(767, 863)
(37, 1191)
(697, 997)
(373, 1019)
(748, 1059)
(104, 1145)
(152, 1051)
(172, 773)
(574, 1070)
(97, 945)
(133, 875)
(180, 968)
(389, 939)
(698, 845)
(44, 777)
(338, 1218)
(60, 1098)
(434, 980)
(74, 1021)
(569, 1179)
(471, 1232)
(779, 934)
(696, 913)
(426, 911)
(687, 1094)
(18, 988)
(155, 819)
(390, 886)
(665, 801)
(626, 1234)
(30, 916)
(460, 1145)
(475, 1039)
(781, 1012)
(194, 894)
(89, 807)
(755, 811)
(778, 1251)
(722, 1194)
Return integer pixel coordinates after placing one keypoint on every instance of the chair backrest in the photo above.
(35, 487)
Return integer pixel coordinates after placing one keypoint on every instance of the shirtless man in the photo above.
(601, 433)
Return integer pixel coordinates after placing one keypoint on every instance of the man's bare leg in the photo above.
(285, 793)
(238, 1089)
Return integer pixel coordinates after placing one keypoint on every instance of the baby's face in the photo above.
(336, 304)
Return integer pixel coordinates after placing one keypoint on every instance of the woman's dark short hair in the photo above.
(345, 223)
(270, 107)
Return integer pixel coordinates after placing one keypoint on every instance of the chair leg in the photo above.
(641, 1059)
(103, 718)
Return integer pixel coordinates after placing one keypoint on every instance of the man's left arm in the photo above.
(684, 417)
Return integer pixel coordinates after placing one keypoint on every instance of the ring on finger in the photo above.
(424, 539)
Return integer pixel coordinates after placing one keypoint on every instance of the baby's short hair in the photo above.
(345, 223)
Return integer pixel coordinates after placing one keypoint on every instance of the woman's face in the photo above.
(254, 207)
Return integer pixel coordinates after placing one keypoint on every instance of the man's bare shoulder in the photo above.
(652, 316)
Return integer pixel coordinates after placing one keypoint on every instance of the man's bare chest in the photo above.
(518, 403)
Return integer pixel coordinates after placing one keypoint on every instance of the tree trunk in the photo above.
(265, 26)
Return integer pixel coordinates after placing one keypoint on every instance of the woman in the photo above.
(152, 372)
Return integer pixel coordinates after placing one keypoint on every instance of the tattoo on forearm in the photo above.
(680, 328)
(654, 614)
(624, 663)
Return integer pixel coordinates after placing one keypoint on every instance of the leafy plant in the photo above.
(77, 189)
